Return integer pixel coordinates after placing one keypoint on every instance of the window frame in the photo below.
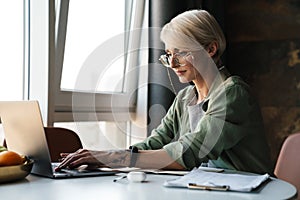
(89, 106)
(44, 48)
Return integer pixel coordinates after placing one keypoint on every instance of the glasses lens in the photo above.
(183, 54)
(164, 60)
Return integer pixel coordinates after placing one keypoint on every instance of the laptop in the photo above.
(24, 133)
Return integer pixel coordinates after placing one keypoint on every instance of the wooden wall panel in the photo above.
(264, 48)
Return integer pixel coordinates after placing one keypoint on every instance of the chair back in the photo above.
(287, 166)
(61, 140)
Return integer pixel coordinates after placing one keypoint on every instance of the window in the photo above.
(11, 51)
(95, 79)
(91, 72)
(40, 63)
(91, 26)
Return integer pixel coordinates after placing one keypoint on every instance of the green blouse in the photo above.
(230, 134)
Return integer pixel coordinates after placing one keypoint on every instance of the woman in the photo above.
(213, 122)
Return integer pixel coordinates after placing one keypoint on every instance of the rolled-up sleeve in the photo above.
(164, 133)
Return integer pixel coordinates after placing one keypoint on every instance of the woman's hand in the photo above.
(94, 159)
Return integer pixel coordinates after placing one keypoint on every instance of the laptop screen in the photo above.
(24, 133)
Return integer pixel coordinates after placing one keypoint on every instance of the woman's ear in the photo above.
(212, 49)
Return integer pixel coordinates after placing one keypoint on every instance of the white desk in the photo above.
(92, 188)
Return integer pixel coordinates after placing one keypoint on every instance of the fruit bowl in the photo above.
(15, 172)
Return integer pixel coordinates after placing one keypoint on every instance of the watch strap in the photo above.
(133, 155)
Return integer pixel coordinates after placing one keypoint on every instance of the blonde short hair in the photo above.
(194, 30)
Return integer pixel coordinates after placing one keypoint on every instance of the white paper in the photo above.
(236, 182)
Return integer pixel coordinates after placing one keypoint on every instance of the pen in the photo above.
(205, 187)
(119, 178)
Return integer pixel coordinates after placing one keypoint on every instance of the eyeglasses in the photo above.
(166, 59)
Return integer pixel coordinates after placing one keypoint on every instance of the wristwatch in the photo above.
(133, 155)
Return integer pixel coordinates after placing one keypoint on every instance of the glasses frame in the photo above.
(166, 59)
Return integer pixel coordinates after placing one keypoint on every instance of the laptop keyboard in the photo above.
(68, 171)
(79, 172)
(72, 171)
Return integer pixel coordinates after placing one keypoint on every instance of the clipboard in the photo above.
(227, 181)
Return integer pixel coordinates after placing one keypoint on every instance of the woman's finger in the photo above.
(67, 158)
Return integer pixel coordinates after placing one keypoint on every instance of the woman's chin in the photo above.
(183, 80)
